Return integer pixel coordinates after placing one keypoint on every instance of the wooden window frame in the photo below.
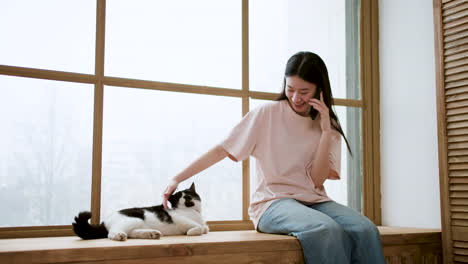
(369, 104)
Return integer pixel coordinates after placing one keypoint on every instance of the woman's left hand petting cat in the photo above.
(149, 222)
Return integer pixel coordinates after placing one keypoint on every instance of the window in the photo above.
(102, 119)
(49, 34)
(150, 136)
(46, 139)
(189, 42)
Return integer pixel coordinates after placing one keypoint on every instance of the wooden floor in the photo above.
(401, 245)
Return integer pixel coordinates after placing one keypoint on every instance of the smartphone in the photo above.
(313, 112)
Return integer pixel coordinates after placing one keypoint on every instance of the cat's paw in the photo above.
(206, 229)
(146, 234)
(117, 236)
(155, 234)
(195, 231)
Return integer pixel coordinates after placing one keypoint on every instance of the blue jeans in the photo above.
(328, 232)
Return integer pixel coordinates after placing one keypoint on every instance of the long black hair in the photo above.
(310, 67)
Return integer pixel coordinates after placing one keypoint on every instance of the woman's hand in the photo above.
(168, 192)
(322, 108)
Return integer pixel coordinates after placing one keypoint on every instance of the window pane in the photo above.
(45, 151)
(190, 42)
(48, 34)
(347, 190)
(150, 136)
(286, 27)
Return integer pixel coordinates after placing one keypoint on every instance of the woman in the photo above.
(296, 141)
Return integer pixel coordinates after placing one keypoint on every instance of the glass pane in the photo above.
(49, 34)
(45, 151)
(185, 41)
(150, 136)
(347, 190)
(286, 27)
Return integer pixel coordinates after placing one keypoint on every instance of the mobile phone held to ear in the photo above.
(313, 112)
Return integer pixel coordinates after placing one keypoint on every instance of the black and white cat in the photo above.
(149, 222)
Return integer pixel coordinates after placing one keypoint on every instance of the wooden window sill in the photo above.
(400, 245)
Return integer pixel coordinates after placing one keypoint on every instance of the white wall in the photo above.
(409, 159)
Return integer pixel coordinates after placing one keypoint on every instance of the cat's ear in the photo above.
(192, 187)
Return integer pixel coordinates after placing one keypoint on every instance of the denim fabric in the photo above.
(328, 232)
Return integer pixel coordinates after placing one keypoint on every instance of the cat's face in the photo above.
(187, 198)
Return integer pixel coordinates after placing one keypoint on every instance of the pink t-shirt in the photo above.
(284, 145)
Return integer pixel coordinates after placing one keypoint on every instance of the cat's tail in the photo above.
(85, 230)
